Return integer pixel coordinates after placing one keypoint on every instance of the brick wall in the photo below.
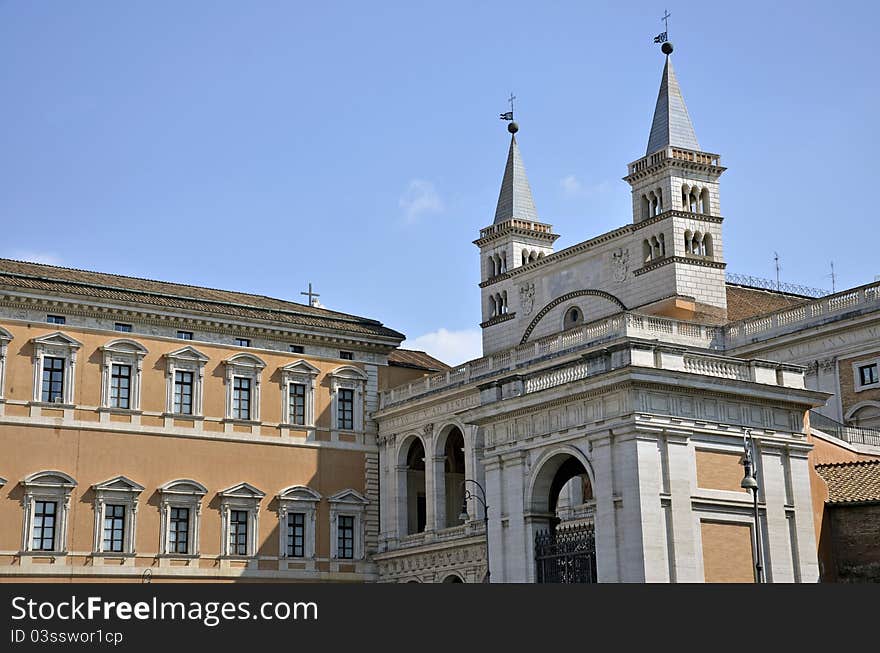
(855, 542)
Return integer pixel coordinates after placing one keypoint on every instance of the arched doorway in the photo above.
(453, 578)
(563, 531)
(414, 499)
(453, 476)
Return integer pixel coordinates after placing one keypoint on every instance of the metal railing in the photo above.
(850, 434)
(778, 286)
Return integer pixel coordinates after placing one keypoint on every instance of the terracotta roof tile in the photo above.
(850, 482)
(744, 302)
(51, 279)
(416, 359)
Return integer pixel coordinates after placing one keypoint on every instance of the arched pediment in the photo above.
(118, 484)
(5, 336)
(349, 496)
(242, 491)
(246, 360)
(299, 493)
(49, 478)
(2, 481)
(183, 486)
(125, 345)
(349, 372)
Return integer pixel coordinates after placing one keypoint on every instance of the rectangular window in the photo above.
(183, 393)
(125, 328)
(53, 379)
(178, 531)
(241, 398)
(346, 355)
(297, 403)
(114, 528)
(120, 386)
(345, 537)
(296, 534)
(297, 349)
(185, 335)
(56, 319)
(345, 409)
(242, 342)
(44, 526)
(868, 374)
(238, 520)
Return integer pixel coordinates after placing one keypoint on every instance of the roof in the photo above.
(91, 286)
(515, 199)
(744, 302)
(852, 482)
(672, 123)
(416, 360)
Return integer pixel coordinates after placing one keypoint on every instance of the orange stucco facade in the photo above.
(92, 444)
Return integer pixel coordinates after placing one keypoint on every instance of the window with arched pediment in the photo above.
(46, 504)
(243, 379)
(122, 364)
(180, 503)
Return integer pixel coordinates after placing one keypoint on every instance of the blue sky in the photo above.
(259, 146)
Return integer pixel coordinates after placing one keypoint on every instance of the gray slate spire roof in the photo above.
(515, 199)
(672, 124)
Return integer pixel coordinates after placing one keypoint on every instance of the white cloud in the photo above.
(451, 347)
(571, 185)
(574, 187)
(33, 256)
(419, 199)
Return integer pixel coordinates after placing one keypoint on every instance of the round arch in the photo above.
(412, 485)
(453, 578)
(587, 292)
(449, 471)
(848, 415)
(552, 471)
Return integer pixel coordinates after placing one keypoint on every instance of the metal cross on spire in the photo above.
(509, 114)
(665, 19)
(311, 295)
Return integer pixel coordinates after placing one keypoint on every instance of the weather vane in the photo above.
(509, 114)
(663, 37)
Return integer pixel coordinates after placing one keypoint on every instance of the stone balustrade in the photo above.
(621, 325)
(667, 331)
(800, 317)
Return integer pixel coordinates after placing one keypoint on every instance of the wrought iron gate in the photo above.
(566, 555)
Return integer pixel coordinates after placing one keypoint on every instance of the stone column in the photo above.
(777, 555)
(606, 519)
(495, 500)
(803, 529)
(436, 496)
(683, 542)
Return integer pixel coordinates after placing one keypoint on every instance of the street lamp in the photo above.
(464, 514)
(750, 484)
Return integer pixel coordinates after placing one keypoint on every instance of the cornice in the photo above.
(561, 254)
(498, 319)
(653, 265)
(672, 213)
(302, 335)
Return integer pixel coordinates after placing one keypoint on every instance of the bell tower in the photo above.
(514, 239)
(676, 206)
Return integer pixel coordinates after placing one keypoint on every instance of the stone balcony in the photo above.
(814, 313)
(614, 327)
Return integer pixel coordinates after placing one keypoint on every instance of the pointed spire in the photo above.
(672, 124)
(515, 199)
